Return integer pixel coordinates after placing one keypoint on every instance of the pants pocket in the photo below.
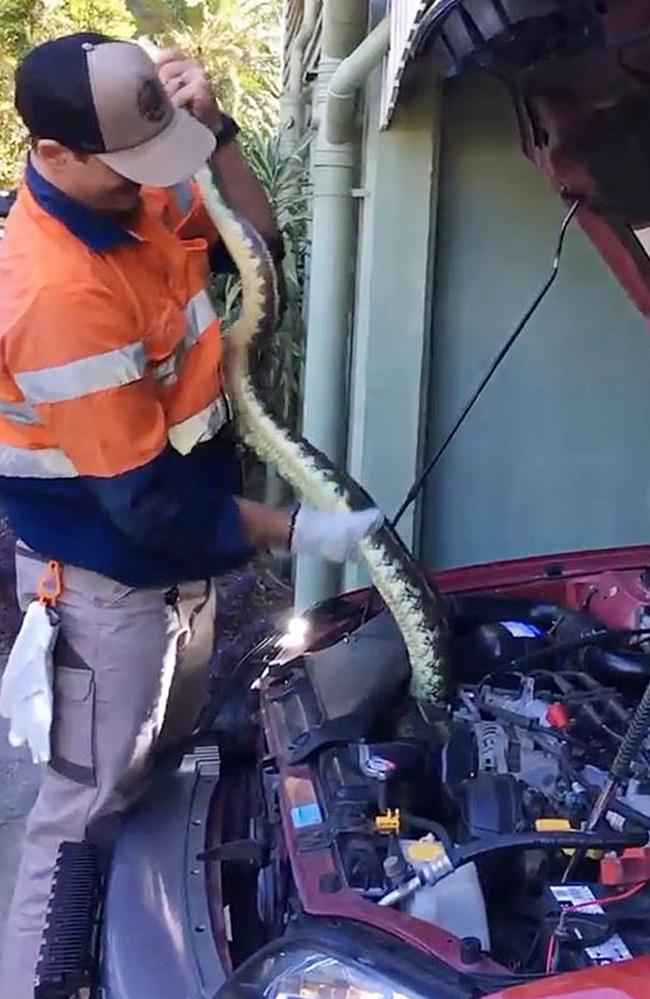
(73, 729)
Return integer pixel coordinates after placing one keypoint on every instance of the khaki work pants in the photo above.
(130, 677)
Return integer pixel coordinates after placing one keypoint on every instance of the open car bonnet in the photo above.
(579, 75)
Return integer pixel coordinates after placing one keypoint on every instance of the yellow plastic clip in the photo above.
(50, 584)
(388, 823)
(553, 825)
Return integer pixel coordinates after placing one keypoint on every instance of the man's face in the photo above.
(87, 179)
(100, 188)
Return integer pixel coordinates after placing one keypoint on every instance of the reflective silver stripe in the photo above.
(199, 314)
(43, 463)
(19, 412)
(184, 196)
(201, 427)
(90, 374)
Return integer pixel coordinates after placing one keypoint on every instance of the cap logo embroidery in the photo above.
(151, 100)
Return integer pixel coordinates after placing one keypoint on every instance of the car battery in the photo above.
(588, 933)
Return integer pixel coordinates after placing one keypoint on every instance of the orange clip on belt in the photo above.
(50, 584)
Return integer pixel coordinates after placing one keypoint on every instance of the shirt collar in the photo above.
(98, 232)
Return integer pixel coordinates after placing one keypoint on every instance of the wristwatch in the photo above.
(227, 131)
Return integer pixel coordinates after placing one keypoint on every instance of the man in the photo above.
(116, 452)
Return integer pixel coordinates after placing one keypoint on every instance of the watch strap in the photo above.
(227, 131)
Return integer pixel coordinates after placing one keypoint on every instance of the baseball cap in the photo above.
(97, 95)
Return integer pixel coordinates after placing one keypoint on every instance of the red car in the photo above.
(267, 850)
(329, 837)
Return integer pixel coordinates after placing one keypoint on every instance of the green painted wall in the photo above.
(555, 455)
(391, 339)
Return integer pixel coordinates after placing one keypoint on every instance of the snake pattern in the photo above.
(414, 603)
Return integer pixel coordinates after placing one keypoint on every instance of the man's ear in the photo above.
(51, 152)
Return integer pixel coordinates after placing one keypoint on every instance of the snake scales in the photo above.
(413, 602)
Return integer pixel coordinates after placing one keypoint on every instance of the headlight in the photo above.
(296, 634)
(306, 974)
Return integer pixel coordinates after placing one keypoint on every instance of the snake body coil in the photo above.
(413, 602)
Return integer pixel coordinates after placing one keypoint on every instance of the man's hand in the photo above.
(188, 87)
(333, 536)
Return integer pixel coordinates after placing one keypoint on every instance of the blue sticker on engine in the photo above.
(519, 629)
(306, 815)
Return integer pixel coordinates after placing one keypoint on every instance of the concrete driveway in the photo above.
(19, 780)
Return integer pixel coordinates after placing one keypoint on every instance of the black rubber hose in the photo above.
(606, 665)
(473, 610)
(600, 840)
(595, 638)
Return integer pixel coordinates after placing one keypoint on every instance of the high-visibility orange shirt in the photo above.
(116, 452)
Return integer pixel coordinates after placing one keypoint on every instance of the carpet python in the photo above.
(414, 603)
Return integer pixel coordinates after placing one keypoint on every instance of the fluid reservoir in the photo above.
(456, 903)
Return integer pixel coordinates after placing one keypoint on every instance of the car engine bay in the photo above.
(473, 819)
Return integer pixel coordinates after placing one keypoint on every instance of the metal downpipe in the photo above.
(331, 280)
(351, 74)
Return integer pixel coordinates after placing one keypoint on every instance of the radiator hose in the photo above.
(433, 872)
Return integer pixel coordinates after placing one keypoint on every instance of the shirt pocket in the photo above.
(166, 342)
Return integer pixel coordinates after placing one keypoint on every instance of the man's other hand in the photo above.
(188, 87)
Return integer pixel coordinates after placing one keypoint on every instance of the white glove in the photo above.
(332, 536)
(26, 690)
